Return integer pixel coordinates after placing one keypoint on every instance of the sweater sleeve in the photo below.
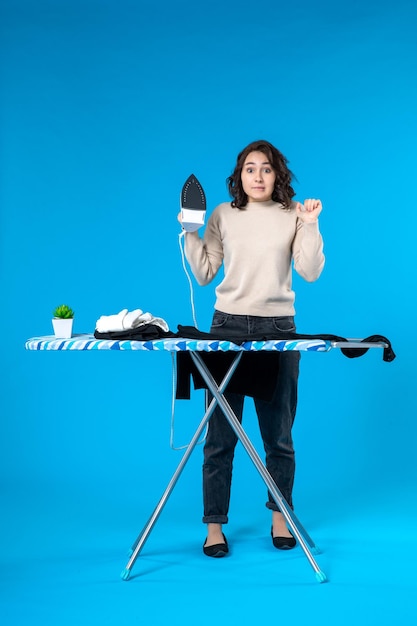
(205, 256)
(307, 250)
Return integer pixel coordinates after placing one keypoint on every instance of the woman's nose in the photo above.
(258, 176)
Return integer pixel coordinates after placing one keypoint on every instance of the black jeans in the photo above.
(275, 419)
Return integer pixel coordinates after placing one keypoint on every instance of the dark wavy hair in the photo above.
(283, 192)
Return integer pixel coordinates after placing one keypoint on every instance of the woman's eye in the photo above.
(267, 170)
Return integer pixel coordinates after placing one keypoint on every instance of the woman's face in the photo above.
(258, 177)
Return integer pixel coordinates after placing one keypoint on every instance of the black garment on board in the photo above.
(146, 332)
(190, 332)
(257, 372)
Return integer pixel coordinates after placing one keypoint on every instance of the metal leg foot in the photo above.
(125, 574)
(321, 577)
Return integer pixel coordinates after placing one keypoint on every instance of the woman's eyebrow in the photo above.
(263, 163)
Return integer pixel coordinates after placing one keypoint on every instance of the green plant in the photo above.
(63, 311)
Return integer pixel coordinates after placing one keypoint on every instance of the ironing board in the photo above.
(196, 347)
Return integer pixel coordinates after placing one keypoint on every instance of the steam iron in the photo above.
(193, 205)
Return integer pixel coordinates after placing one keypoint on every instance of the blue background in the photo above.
(106, 108)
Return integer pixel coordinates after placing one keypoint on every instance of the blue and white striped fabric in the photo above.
(175, 344)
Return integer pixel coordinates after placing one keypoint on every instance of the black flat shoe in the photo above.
(283, 543)
(217, 550)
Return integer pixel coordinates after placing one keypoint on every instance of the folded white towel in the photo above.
(131, 319)
(148, 318)
(126, 320)
(107, 323)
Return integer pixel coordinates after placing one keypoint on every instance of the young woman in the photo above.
(257, 237)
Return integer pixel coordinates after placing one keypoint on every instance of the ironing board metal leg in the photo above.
(144, 534)
(297, 529)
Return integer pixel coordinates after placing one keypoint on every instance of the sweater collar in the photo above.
(261, 205)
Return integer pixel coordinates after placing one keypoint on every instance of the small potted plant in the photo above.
(62, 321)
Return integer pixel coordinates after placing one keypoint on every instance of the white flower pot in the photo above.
(62, 327)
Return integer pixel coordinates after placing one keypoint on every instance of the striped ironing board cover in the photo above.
(174, 344)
